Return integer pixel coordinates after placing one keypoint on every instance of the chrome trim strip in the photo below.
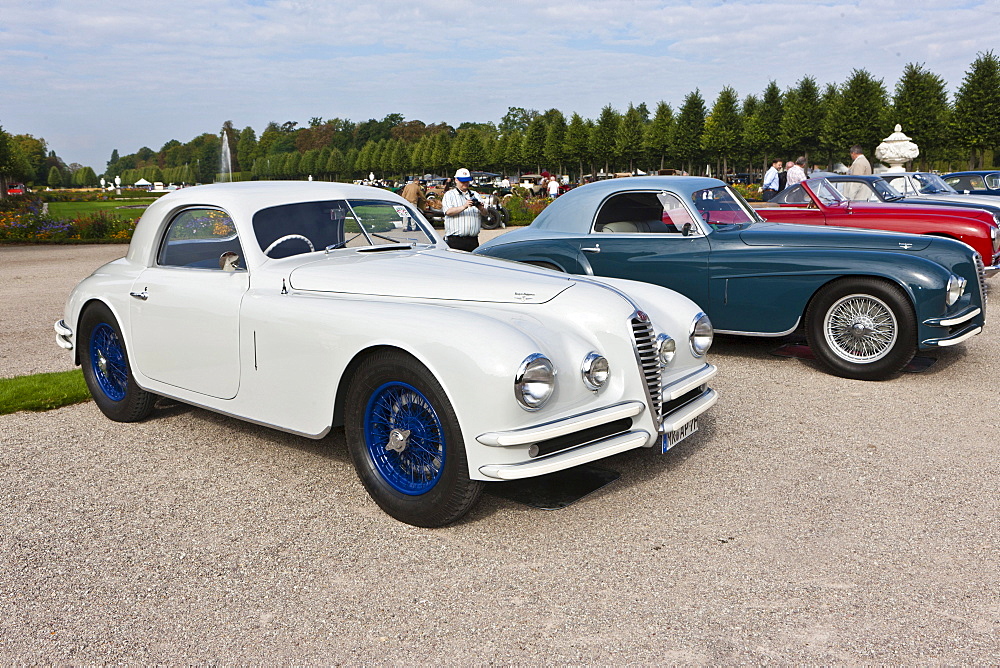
(569, 458)
(563, 426)
(684, 385)
(765, 334)
(688, 412)
(955, 320)
(943, 343)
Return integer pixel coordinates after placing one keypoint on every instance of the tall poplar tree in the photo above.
(802, 118)
(861, 113)
(628, 138)
(659, 135)
(975, 121)
(603, 135)
(723, 130)
(689, 128)
(576, 145)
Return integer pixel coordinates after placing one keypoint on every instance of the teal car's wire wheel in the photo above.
(861, 328)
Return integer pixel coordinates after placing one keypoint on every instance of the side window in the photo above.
(197, 239)
(636, 213)
(993, 181)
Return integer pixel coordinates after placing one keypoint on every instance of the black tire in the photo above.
(862, 328)
(393, 399)
(492, 220)
(106, 367)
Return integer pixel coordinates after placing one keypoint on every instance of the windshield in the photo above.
(827, 194)
(723, 206)
(929, 184)
(886, 190)
(303, 227)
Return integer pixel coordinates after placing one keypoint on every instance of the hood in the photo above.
(428, 274)
(988, 201)
(817, 236)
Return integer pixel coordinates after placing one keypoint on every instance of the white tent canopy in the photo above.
(142, 182)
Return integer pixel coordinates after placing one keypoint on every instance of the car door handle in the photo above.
(595, 249)
(139, 295)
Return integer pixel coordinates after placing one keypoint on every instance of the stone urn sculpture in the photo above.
(896, 150)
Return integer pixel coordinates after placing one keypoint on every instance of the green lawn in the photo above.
(42, 392)
(70, 210)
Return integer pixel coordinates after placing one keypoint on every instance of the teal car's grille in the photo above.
(645, 349)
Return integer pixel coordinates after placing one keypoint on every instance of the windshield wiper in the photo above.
(341, 244)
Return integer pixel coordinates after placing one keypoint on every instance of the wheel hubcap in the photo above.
(404, 438)
(860, 328)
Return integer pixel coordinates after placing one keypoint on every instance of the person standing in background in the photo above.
(859, 164)
(463, 214)
(772, 180)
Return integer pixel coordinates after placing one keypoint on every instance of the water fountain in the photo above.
(225, 174)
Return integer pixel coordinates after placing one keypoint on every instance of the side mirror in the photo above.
(686, 229)
(229, 261)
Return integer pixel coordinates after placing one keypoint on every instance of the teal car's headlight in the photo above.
(956, 287)
(534, 382)
(666, 348)
(701, 335)
(595, 371)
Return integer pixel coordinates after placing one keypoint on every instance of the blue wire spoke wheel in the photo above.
(404, 438)
(107, 360)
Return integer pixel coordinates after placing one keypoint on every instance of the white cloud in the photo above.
(92, 77)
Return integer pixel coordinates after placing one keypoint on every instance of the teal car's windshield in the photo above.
(723, 206)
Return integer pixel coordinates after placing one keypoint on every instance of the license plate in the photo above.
(672, 438)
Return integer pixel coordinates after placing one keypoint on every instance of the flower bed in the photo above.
(22, 221)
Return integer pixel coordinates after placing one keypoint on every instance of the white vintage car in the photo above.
(303, 306)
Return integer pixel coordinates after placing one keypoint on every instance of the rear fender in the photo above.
(562, 255)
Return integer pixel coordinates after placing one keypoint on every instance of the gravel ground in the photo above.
(812, 520)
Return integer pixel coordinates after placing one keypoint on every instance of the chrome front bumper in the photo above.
(64, 335)
(690, 396)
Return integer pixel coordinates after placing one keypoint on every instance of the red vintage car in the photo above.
(16, 189)
(817, 202)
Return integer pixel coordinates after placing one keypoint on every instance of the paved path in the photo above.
(812, 520)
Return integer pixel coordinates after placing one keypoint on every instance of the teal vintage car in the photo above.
(866, 300)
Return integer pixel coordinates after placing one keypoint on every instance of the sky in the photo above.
(91, 77)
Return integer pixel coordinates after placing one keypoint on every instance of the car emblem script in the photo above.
(905, 246)
(523, 296)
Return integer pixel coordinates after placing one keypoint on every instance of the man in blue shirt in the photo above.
(771, 181)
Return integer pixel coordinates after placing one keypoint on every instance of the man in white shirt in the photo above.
(553, 187)
(772, 182)
(462, 214)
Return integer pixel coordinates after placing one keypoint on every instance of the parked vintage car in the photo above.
(16, 189)
(302, 306)
(979, 182)
(910, 188)
(931, 188)
(817, 202)
(866, 300)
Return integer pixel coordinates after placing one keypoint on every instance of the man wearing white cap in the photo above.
(462, 214)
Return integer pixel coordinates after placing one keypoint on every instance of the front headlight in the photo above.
(666, 347)
(956, 286)
(701, 335)
(534, 382)
(595, 371)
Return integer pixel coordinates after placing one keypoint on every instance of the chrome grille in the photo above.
(645, 350)
(981, 275)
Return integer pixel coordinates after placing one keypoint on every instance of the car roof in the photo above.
(575, 210)
(974, 172)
